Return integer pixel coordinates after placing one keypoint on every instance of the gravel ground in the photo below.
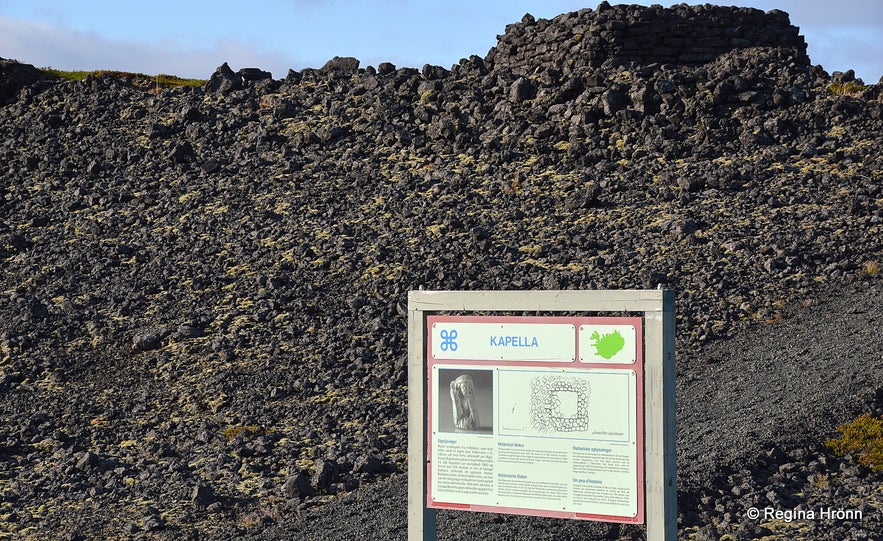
(203, 290)
(749, 407)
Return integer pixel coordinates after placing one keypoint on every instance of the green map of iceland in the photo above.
(607, 345)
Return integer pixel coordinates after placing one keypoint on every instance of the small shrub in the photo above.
(846, 89)
(820, 481)
(863, 438)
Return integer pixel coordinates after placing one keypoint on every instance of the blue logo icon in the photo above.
(449, 340)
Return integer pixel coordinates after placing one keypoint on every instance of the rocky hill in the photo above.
(203, 291)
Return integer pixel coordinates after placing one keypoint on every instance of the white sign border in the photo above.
(658, 307)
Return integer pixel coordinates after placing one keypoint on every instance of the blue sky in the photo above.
(191, 38)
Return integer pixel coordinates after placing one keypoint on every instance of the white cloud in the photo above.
(818, 14)
(48, 45)
(843, 48)
(300, 33)
(839, 35)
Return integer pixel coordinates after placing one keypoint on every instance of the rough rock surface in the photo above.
(13, 77)
(203, 292)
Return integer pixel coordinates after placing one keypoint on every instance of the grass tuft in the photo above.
(846, 89)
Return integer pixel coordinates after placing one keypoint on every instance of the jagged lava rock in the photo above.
(206, 288)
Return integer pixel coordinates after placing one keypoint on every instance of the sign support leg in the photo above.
(421, 520)
(659, 422)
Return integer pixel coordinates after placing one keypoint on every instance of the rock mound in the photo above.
(203, 291)
(612, 36)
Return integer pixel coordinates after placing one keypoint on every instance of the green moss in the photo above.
(69, 75)
(250, 431)
(139, 79)
(171, 81)
(863, 438)
(870, 268)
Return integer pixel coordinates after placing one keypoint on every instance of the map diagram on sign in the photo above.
(586, 404)
(559, 404)
(607, 345)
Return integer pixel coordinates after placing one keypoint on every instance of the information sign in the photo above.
(565, 416)
(520, 425)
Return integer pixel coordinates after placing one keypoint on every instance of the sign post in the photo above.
(557, 416)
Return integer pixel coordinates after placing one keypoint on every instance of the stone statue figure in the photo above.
(465, 409)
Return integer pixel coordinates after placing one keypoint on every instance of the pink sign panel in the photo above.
(536, 416)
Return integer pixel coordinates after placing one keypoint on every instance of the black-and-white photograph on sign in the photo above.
(465, 400)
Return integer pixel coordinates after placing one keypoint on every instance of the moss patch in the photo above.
(863, 438)
(161, 80)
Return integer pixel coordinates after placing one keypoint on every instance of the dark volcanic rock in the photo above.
(13, 77)
(203, 292)
(346, 64)
(87, 461)
(522, 89)
(224, 80)
(202, 496)
(254, 74)
(297, 486)
(147, 340)
(327, 472)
